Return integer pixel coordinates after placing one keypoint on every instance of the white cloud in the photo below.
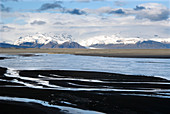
(153, 12)
(85, 26)
(150, 11)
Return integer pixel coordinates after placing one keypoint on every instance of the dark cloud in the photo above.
(36, 22)
(62, 23)
(118, 11)
(141, 12)
(153, 12)
(139, 8)
(6, 29)
(47, 6)
(120, 3)
(4, 9)
(76, 12)
(59, 23)
(163, 15)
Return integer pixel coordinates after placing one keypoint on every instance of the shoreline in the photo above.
(123, 53)
(93, 91)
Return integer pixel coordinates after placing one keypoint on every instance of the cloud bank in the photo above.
(143, 20)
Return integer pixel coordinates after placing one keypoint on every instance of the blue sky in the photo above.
(129, 17)
(31, 4)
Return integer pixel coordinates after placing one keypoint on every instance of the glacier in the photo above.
(44, 38)
(40, 38)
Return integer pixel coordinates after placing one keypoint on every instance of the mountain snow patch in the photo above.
(39, 38)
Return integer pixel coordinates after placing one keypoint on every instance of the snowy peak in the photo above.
(114, 39)
(47, 41)
(39, 38)
(50, 40)
(109, 40)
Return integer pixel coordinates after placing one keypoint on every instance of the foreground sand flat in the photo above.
(56, 91)
(143, 53)
(94, 91)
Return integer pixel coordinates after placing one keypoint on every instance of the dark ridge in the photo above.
(117, 85)
(7, 45)
(134, 94)
(11, 107)
(93, 75)
(27, 55)
(48, 45)
(2, 58)
(2, 71)
(31, 45)
(121, 101)
(52, 45)
(70, 45)
(107, 102)
(139, 45)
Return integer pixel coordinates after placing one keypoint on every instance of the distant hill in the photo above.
(39, 40)
(139, 45)
(48, 41)
(102, 40)
(49, 45)
(7, 45)
(70, 45)
(52, 45)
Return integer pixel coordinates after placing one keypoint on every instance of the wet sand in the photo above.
(8, 107)
(88, 91)
(2, 58)
(130, 53)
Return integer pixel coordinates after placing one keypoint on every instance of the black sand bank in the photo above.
(94, 91)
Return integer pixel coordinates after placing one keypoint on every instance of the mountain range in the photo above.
(139, 45)
(106, 42)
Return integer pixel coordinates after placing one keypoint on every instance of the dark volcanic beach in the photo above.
(84, 57)
(56, 91)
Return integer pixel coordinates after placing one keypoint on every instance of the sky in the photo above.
(84, 19)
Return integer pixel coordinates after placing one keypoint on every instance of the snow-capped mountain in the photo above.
(149, 44)
(50, 40)
(39, 38)
(109, 40)
(114, 39)
(162, 40)
(47, 41)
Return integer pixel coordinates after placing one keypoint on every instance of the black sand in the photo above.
(101, 100)
(2, 58)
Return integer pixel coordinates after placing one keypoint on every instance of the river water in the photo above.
(78, 93)
(132, 66)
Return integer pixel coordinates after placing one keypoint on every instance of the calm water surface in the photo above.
(134, 66)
